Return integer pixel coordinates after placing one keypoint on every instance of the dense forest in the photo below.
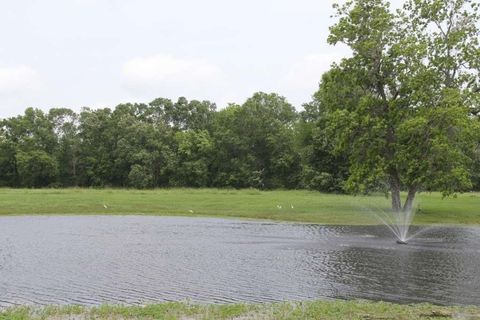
(264, 143)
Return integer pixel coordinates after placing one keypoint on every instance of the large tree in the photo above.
(322, 168)
(27, 145)
(65, 126)
(401, 105)
(254, 144)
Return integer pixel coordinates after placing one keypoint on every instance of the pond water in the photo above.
(139, 259)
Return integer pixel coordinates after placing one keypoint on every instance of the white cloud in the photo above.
(160, 70)
(18, 79)
(301, 79)
(86, 2)
(307, 73)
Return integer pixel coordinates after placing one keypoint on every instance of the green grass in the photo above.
(311, 207)
(325, 310)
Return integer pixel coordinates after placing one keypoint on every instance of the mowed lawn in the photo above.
(297, 206)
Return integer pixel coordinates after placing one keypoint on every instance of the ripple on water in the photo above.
(136, 259)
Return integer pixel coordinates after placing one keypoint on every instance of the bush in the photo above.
(139, 177)
(36, 169)
(321, 181)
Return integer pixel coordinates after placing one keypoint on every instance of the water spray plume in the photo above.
(397, 222)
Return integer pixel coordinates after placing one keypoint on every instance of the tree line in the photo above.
(264, 143)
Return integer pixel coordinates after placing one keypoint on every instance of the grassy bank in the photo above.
(298, 206)
(326, 310)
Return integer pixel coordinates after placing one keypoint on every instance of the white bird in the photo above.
(105, 206)
(291, 206)
(279, 206)
(191, 211)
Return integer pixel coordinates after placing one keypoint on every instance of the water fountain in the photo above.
(398, 223)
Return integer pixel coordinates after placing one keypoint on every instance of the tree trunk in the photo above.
(395, 190)
(74, 168)
(409, 201)
(16, 176)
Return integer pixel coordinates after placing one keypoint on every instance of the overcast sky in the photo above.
(98, 53)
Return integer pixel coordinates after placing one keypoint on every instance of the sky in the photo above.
(99, 53)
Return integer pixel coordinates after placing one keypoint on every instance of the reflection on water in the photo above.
(133, 259)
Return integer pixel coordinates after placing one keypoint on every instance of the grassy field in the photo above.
(297, 206)
(325, 310)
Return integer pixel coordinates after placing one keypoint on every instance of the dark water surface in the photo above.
(137, 259)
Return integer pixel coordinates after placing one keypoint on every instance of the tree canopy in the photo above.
(159, 144)
(401, 105)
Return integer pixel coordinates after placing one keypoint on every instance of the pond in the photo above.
(91, 260)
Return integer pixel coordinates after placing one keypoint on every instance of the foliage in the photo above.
(400, 107)
(255, 144)
(194, 158)
(161, 144)
(36, 168)
(139, 177)
(323, 169)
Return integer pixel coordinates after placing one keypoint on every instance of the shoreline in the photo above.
(232, 218)
(294, 206)
(318, 309)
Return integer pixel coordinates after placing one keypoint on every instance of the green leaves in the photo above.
(254, 144)
(194, 158)
(36, 168)
(400, 106)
